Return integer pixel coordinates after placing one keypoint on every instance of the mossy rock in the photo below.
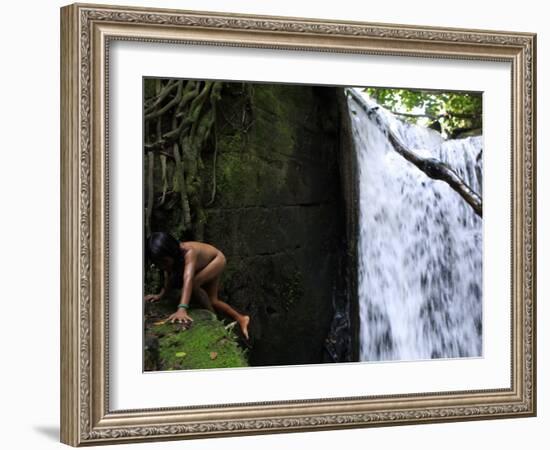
(206, 344)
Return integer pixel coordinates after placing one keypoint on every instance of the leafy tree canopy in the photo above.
(450, 113)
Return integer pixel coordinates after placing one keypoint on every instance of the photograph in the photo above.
(295, 224)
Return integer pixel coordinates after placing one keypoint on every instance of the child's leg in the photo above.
(226, 309)
(202, 297)
(208, 278)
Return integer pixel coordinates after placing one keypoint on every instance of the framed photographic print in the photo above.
(281, 224)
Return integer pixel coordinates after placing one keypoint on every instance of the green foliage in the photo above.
(448, 112)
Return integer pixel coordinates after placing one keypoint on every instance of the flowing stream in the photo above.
(420, 243)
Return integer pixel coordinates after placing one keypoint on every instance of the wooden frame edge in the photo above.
(69, 431)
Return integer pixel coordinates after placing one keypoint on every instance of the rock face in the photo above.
(274, 206)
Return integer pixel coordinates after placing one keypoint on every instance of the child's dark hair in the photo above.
(161, 244)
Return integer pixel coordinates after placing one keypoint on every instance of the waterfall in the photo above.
(420, 243)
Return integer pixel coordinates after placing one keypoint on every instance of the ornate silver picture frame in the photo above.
(87, 416)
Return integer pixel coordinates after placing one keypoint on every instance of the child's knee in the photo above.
(223, 260)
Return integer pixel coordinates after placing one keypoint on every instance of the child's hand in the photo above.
(180, 316)
(152, 298)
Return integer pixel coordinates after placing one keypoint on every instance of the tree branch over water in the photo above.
(438, 170)
(432, 167)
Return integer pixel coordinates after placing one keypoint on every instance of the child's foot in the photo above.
(243, 322)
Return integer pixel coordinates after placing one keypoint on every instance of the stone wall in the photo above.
(273, 203)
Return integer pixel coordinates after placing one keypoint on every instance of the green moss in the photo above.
(233, 142)
(234, 175)
(206, 344)
(261, 134)
(280, 117)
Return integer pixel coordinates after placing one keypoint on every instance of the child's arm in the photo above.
(165, 289)
(188, 275)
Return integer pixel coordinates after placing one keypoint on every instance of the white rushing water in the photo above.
(419, 247)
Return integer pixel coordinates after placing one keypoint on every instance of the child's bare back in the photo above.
(205, 253)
